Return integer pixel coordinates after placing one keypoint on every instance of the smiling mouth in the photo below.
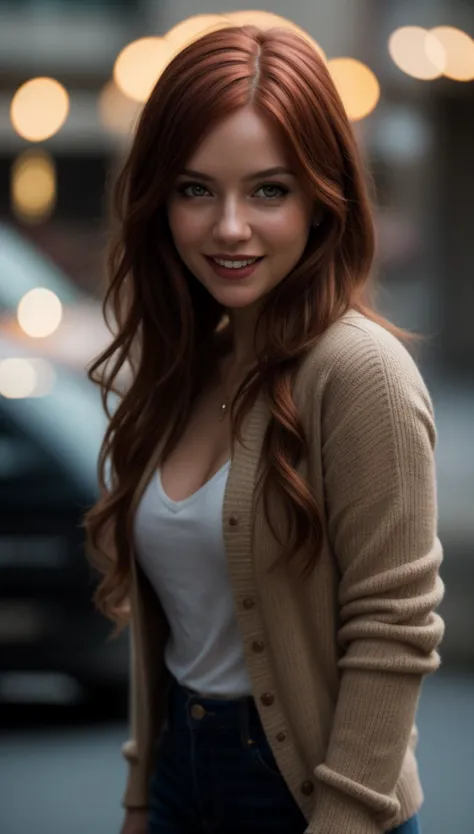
(233, 270)
(234, 263)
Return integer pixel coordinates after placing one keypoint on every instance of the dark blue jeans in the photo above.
(215, 773)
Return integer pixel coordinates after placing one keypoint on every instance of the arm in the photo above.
(378, 441)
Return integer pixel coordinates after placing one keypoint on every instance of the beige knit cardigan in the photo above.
(346, 649)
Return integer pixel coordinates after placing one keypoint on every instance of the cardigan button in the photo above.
(281, 737)
(267, 699)
(258, 646)
(248, 603)
(233, 521)
(307, 788)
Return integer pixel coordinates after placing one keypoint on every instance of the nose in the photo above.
(231, 226)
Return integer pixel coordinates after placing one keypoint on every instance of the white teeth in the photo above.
(234, 264)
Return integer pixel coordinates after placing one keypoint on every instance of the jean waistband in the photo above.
(201, 711)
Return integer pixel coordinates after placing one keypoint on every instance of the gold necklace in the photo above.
(225, 403)
(224, 406)
(224, 409)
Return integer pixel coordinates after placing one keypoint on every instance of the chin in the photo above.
(237, 300)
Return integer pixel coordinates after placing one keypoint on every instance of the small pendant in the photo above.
(224, 409)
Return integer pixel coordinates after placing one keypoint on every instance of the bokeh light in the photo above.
(23, 377)
(139, 66)
(269, 20)
(417, 53)
(357, 86)
(262, 19)
(39, 109)
(118, 113)
(39, 313)
(33, 186)
(458, 50)
(192, 28)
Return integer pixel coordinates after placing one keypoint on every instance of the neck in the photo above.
(242, 330)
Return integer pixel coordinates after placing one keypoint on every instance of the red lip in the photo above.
(233, 274)
(234, 257)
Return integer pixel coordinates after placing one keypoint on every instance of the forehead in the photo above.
(243, 142)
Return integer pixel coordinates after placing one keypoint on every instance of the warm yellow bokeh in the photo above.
(458, 50)
(22, 377)
(417, 53)
(39, 109)
(139, 66)
(33, 186)
(357, 86)
(269, 20)
(39, 313)
(192, 28)
(140, 63)
(262, 19)
(118, 113)
(18, 378)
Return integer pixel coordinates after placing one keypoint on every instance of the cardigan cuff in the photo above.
(338, 813)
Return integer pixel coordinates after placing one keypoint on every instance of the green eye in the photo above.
(192, 189)
(271, 191)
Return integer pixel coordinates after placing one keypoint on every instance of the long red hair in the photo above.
(166, 322)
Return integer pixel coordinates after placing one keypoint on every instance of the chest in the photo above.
(201, 452)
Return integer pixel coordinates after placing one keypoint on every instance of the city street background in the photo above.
(77, 73)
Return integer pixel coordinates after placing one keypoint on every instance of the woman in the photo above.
(270, 509)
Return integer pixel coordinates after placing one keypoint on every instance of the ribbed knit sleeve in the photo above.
(134, 795)
(381, 506)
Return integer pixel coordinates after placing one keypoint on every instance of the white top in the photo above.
(180, 548)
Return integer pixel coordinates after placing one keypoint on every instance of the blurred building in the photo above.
(418, 140)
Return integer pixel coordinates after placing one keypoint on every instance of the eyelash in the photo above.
(282, 188)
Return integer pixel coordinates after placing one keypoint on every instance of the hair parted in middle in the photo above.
(166, 321)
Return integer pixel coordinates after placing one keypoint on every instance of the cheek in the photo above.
(289, 227)
(186, 226)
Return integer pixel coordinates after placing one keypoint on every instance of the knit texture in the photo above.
(346, 649)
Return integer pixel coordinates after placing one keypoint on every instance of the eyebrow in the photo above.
(269, 172)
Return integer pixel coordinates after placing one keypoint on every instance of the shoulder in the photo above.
(356, 346)
(352, 339)
(357, 361)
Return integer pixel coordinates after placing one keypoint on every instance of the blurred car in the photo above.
(51, 427)
(23, 268)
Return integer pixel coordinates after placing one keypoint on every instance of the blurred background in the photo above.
(75, 76)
